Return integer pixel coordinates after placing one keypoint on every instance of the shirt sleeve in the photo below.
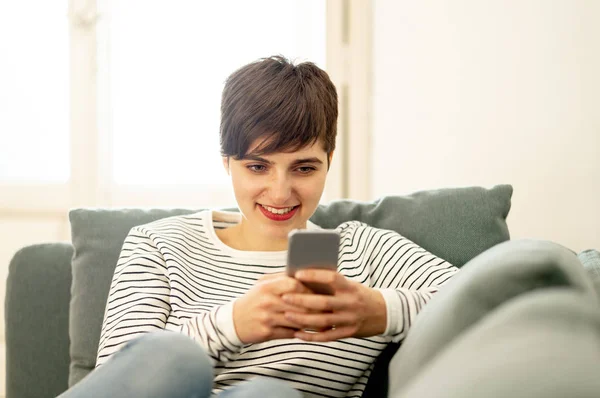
(406, 275)
(139, 302)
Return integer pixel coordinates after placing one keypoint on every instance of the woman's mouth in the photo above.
(278, 214)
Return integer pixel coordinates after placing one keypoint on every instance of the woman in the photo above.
(217, 277)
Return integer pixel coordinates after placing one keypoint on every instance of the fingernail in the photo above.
(300, 274)
(286, 298)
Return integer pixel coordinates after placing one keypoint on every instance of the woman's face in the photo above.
(278, 192)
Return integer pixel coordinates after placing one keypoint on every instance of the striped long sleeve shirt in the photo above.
(176, 274)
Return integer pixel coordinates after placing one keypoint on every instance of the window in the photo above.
(34, 92)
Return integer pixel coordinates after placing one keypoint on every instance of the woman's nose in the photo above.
(281, 189)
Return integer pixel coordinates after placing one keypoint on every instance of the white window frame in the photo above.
(349, 43)
(90, 184)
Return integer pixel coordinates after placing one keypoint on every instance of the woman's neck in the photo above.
(238, 238)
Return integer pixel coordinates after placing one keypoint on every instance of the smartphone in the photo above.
(313, 249)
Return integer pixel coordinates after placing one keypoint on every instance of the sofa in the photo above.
(56, 292)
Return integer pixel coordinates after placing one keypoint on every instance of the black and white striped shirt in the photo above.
(176, 274)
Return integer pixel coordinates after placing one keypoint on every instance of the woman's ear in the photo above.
(226, 163)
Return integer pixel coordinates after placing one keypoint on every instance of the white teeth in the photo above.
(278, 211)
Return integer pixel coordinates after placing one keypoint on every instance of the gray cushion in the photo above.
(97, 237)
(455, 224)
(37, 321)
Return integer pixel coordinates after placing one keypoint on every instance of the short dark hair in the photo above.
(288, 105)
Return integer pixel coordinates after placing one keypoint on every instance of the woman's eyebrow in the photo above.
(308, 160)
(297, 161)
(256, 159)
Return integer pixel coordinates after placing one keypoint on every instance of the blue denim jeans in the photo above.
(167, 364)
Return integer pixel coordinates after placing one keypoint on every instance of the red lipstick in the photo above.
(278, 217)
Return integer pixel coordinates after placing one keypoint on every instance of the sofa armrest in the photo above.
(38, 291)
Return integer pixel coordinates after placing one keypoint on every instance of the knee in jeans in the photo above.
(175, 350)
(540, 251)
(550, 263)
(264, 387)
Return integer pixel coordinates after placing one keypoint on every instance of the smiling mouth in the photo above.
(278, 211)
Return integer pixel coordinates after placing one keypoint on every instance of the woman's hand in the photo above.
(354, 310)
(259, 314)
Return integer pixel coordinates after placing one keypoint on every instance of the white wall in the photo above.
(470, 92)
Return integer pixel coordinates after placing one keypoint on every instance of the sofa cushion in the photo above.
(97, 236)
(455, 224)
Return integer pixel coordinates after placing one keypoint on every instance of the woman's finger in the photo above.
(321, 320)
(335, 333)
(281, 307)
(281, 321)
(322, 276)
(266, 277)
(283, 284)
(316, 302)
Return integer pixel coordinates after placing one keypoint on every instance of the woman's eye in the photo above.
(306, 169)
(257, 168)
